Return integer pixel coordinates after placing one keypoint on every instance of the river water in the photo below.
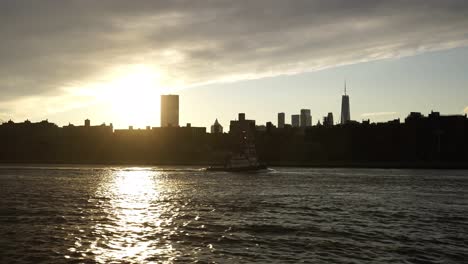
(183, 214)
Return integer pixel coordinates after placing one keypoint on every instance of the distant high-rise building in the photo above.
(345, 111)
(331, 122)
(328, 120)
(216, 127)
(281, 118)
(295, 120)
(169, 110)
(306, 118)
(87, 123)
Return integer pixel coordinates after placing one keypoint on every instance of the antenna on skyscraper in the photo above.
(345, 87)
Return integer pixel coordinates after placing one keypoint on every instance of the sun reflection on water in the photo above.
(130, 231)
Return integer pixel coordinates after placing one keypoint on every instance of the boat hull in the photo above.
(238, 169)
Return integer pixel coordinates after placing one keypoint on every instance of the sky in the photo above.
(110, 60)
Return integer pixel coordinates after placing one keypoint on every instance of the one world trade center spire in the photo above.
(345, 111)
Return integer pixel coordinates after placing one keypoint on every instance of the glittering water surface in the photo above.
(181, 214)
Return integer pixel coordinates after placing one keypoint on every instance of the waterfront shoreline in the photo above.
(330, 165)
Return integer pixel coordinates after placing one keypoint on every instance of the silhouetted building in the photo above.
(28, 126)
(240, 131)
(328, 120)
(216, 127)
(413, 116)
(306, 118)
(88, 130)
(331, 122)
(169, 110)
(345, 109)
(325, 121)
(241, 117)
(270, 126)
(434, 140)
(295, 120)
(281, 120)
(242, 125)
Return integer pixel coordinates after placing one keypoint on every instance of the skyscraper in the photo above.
(216, 128)
(306, 118)
(169, 110)
(295, 120)
(328, 120)
(345, 111)
(281, 117)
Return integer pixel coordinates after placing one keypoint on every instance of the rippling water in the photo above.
(181, 214)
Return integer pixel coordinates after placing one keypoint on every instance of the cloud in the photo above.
(379, 114)
(466, 110)
(50, 45)
(36, 107)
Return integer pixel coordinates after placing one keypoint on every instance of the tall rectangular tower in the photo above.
(281, 117)
(330, 119)
(345, 111)
(169, 110)
(306, 118)
(295, 120)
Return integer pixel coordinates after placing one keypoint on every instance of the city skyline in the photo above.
(397, 58)
(296, 122)
(220, 131)
(77, 115)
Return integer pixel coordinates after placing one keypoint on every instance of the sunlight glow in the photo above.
(133, 95)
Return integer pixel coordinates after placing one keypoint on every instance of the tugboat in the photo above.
(244, 158)
(244, 161)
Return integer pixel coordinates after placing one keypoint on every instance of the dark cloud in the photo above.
(47, 45)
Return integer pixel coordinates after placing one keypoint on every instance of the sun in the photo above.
(133, 96)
